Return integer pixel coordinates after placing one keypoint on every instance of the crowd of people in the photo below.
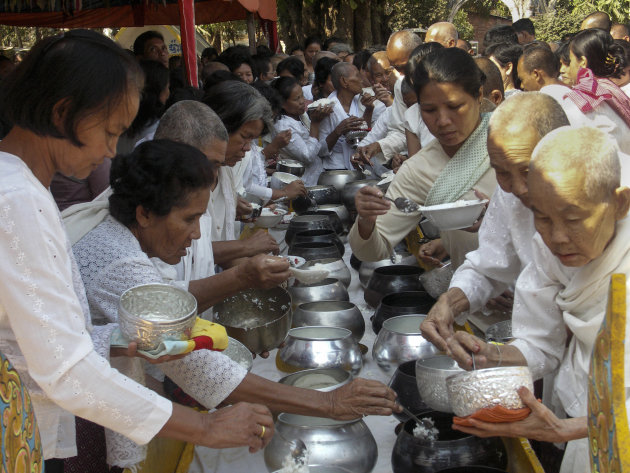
(118, 174)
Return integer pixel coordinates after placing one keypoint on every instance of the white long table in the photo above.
(239, 460)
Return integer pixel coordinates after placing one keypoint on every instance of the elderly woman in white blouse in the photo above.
(304, 145)
(68, 120)
(158, 198)
(580, 207)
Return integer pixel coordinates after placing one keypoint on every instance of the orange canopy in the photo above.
(112, 13)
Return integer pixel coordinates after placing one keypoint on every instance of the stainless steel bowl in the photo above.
(319, 347)
(431, 374)
(321, 469)
(239, 353)
(258, 318)
(353, 138)
(401, 303)
(306, 222)
(279, 180)
(351, 189)
(500, 332)
(291, 166)
(401, 340)
(391, 279)
(331, 444)
(332, 216)
(324, 194)
(367, 267)
(473, 390)
(336, 268)
(152, 313)
(319, 379)
(339, 178)
(332, 314)
(329, 289)
(436, 281)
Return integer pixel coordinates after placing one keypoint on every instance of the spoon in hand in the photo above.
(403, 204)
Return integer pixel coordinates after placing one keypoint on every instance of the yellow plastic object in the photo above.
(608, 432)
(521, 456)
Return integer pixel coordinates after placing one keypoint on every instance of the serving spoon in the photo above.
(403, 204)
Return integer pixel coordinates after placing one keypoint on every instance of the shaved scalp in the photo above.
(528, 110)
(540, 57)
(379, 57)
(339, 70)
(588, 149)
(442, 32)
(598, 19)
(405, 40)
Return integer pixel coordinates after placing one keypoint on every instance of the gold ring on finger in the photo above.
(262, 434)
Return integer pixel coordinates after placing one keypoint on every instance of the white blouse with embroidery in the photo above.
(45, 329)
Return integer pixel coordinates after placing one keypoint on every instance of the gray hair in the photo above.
(528, 110)
(192, 123)
(589, 149)
(237, 103)
(339, 70)
(341, 48)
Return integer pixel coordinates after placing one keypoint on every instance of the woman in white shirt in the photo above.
(304, 146)
(68, 102)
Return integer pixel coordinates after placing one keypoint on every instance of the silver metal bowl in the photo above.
(319, 379)
(351, 189)
(340, 210)
(336, 268)
(332, 444)
(339, 178)
(400, 340)
(239, 353)
(329, 289)
(152, 313)
(279, 180)
(319, 347)
(353, 138)
(437, 281)
(332, 314)
(431, 374)
(258, 318)
(290, 166)
(324, 194)
(473, 390)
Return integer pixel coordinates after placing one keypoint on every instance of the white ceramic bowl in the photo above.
(470, 391)
(279, 180)
(269, 218)
(455, 215)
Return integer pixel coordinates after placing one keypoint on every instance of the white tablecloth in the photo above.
(239, 460)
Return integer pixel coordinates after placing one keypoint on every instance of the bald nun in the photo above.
(580, 208)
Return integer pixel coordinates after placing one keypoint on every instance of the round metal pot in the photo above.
(315, 250)
(320, 194)
(332, 314)
(431, 374)
(301, 223)
(392, 279)
(319, 347)
(403, 382)
(408, 302)
(319, 379)
(340, 210)
(329, 289)
(239, 353)
(401, 340)
(258, 318)
(451, 449)
(500, 332)
(366, 268)
(153, 313)
(339, 178)
(350, 190)
(336, 269)
(331, 443)
(321, 236)
(291, 166)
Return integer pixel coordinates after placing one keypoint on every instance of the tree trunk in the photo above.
(18, 36)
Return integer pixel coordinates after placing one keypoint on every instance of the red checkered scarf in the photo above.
(589, 92)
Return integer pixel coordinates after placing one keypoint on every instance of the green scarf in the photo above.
(464, 169)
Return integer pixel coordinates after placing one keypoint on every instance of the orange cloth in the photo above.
(494, 414)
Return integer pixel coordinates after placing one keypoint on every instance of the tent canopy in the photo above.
(118, 13)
